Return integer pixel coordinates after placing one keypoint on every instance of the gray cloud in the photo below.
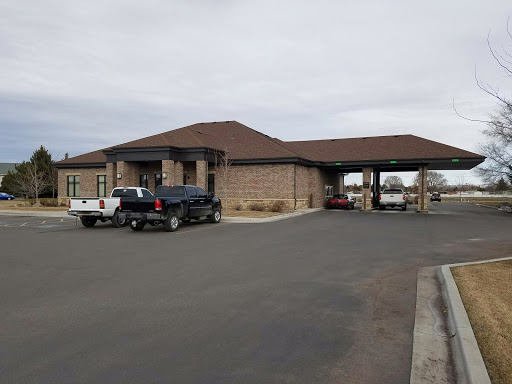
(78, 76)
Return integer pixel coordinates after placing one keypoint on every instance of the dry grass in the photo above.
(21, 209)
(28, 205)
(486, 291)
(252, 214)
(479, 200)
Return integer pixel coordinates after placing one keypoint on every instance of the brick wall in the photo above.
(189, 169)
(201, 174)
(247, 184)
(265, 183)
(88, 181)
(129, 174)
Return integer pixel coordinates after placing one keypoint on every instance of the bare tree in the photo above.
(31, 179)
(498, 148)
(461, 185)
(435, 180)
(394, 182)
(223, 163)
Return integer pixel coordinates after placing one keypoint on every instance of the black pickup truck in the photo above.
(170, 204)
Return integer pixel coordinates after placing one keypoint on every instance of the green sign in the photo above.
(338, 163)
(455, 160)
(392, 162)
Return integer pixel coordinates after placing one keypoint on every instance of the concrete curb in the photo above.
(253, 220)
(509, 210)
(468, 359)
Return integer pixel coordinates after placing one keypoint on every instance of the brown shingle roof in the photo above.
(245, 143)
(87, 158)
(377, 148)
(241, 141)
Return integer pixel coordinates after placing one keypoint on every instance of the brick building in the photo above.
(261, 168)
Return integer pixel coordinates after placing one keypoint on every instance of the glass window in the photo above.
(211, 183)
(143, 181)
(74, 186)
(146, 193)
(191, 191)
(166, 191)
(201, 193)
(184, 179)
(158, 179)
(124, 192)
(102, 185)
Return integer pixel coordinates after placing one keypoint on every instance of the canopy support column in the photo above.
(367, 194)
(423, 189)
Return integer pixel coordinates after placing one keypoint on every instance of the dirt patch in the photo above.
(252, 214)
(38, 209)
(486, 291)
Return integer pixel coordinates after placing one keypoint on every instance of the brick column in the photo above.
(341, 183)
(111, 177)
(201, 174)
(129, 174)
(168, 167)
(367, 192)
(178, 172)
(423, 190)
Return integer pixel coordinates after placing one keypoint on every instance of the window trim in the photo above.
(74, 183)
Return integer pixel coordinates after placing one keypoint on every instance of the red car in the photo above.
(341, 201)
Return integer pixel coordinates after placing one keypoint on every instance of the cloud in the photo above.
(84, 75)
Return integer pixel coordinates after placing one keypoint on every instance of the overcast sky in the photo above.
(76, 76)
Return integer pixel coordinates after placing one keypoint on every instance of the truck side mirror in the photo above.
(210, 195)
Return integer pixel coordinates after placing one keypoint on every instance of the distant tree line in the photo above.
(33, 178)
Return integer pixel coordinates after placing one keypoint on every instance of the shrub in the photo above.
(49, 202)
(257, 207)
(238, 207)
(278, 206)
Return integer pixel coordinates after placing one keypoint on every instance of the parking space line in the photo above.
(197, 229)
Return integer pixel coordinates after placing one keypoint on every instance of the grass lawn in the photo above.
(486, 291)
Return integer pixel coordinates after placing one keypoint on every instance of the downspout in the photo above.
(206, 169)
(295, 186)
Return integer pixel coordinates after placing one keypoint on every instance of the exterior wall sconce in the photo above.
(164, 175)
(119, 175)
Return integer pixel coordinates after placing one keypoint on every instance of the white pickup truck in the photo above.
(90, 210)
(393, 197)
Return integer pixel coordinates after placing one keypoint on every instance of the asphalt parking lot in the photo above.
(327, 297)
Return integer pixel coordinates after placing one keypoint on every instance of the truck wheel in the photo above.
(215, 216)
(117, 222)
(137, 225)
(404, 208)
(88, 221)
(172, 222)
(382, 207)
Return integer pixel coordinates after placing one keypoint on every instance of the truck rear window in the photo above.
(391, 191)
(168, 191)
(124, 192)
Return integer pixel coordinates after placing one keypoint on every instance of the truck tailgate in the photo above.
(138, 204)
(85, 204)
